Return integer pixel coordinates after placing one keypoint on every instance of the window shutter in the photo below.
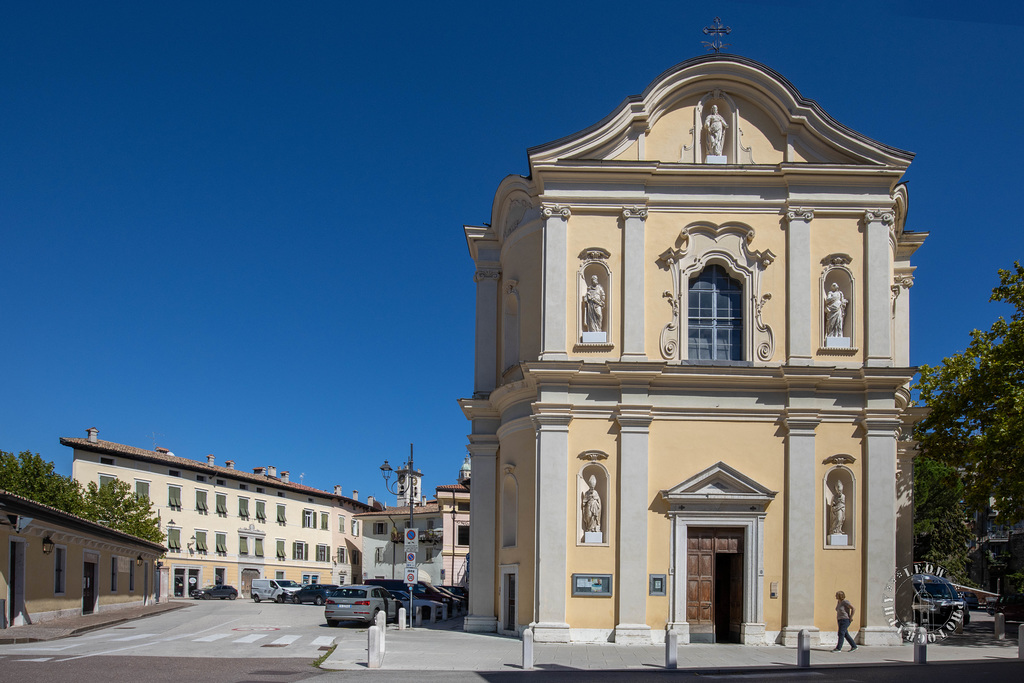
(259, 547)
(280, 550)
(341, 555)
(261, 511)
(174, 496)
(324, 520)
(142, 489)
(243, 545)
(174, 539)
(222, 543)
(280, 515)
(201, 541)
(295, 550)
(201, 501)
(243, 508)
(222, 504)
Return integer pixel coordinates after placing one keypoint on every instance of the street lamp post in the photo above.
(451, 579)
(386, 471)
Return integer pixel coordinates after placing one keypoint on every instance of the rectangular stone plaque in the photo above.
(838, 539)
(595, 337)
(837, 342)
(593, 537)
(716, 159)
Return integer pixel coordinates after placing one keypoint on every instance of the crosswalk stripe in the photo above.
(285, 640)
(323, 640)
(137, 636)
(210, 639)
(251, 638)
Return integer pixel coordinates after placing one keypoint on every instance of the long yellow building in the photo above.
(692, 368)
(225, 525)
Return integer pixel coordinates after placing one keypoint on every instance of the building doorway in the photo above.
(509, 599)
(714, 584)
(186, 580)
(16, 585)
(88, 587)
(247, 576)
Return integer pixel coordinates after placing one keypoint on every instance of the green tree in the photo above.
(975, 423)
(115, 505)
(28, 475)
(941, 533)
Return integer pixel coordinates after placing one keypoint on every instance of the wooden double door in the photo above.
(714, 584)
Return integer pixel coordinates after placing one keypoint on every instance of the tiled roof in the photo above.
(111, 448)
(404, 510)
(452, 488)
(75, 520)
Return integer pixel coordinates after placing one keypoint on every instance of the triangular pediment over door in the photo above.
(719, 487)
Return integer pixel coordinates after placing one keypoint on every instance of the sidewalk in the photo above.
(445, 647)
(73, 626)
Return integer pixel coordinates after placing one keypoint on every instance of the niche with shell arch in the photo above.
(836, 273)
(840, 503)
(594, 286)
(585, 504)
(509, 511)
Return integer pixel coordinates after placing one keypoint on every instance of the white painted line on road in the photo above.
(251, 638)
(210, 639)
(323, 640)
(38, 659)
(285, 640)
(137, 636)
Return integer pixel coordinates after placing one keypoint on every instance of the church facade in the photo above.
(691, 373)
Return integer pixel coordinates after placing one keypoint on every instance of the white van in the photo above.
(278, 590)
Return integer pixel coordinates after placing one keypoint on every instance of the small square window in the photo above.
(221, 482)
(259, 489)
(280, 494)
(200, 477)
(106, 461)
(243, 487)
(173, 473)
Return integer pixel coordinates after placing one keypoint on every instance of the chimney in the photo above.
(369, 501)
(355, 494)
(284, 476)
(93, 434)
(209, 459)
(423, 500)
(230, 464)
(337, 490)
(258, 470)
(272, 471)
(161, 449)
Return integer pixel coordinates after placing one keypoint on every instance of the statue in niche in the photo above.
(835, 311)
(592, 507)
(594, 301)
(838, 510)
(715, 126)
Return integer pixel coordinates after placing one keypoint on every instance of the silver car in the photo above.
(359, 603)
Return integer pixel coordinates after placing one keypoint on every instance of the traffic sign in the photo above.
(412, 540)
(410, 558)
(410, 578)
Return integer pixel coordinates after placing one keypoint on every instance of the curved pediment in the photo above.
(722, 106)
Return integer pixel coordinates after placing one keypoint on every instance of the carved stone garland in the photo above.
(703, 244)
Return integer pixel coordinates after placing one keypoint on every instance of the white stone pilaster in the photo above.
(485, 373)
(879, 534)
(801, 528)
(633, 504)
(551, 578)
(555, 281)
(633, 322)
(482, 536)
(878, 291)
(799, 330)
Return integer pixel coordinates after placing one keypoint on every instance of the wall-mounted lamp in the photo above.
(47, 545)
(138, 561)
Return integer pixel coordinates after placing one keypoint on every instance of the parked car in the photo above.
(970, 599)
(420, 590)
(222, 591)
(1011, 607)
(936, 601)
(460, 591)
(359, 603)
(315, 593)
(424, 606)
(278, 590)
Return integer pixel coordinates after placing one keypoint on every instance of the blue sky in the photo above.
(213, 216)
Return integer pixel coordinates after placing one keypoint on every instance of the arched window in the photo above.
(715, 323)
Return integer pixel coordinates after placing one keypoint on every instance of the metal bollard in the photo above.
(671, 649)
(401, 618)
(1000, 626)
(418, 617)
(528, 649)
(1020, 642)
(803, 649)
(921, 645)
(382, 624)
(374, 655)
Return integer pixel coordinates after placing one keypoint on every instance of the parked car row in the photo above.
(220, 590)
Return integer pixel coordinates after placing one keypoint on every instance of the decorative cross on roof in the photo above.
(717, 30)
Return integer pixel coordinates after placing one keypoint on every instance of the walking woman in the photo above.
(844, 614)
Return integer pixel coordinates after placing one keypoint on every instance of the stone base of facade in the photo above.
(479, 624)
(682, 629)
(789, 635)
(550, 632)
(633, 634)
(752, 633)
(878, 635)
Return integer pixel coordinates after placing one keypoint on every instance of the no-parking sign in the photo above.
(412, 540)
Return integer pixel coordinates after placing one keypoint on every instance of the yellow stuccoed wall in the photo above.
(838, 236)
(587, 231)
(522, 262)
(522, 443)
